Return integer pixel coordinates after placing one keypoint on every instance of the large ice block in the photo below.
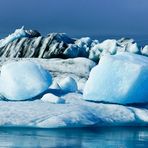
(23, 80)
(121, 78)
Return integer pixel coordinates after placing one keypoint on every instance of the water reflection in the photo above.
(102, 137)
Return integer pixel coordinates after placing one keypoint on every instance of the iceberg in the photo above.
(57, 108)
(68, 84)
(37, 98)
(133, 48)
(75, 113)
(71, 51)
(121, 78)
(30, 44)
(18, 34)
(144, 51)
(51, 98)
(84, 45)
(108, 46)
(23, 80)
(77, 68)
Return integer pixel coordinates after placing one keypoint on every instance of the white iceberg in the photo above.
(23, 80)
(83, 45)
(144, 51)
(133, 48)
(122, 78)
(19, 33)
(71, 51)
(49, 112)
(109, 45)
(100, 49)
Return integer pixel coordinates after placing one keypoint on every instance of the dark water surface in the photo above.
(103, 137)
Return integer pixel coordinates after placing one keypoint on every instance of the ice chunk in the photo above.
(23, 80)
(94, 53)
(52, 99)
(108, 45)
(133, 48)
(84, 41)
(122, 78)
(84, 46)
(68, 84)
(71, 51)
(145, 50)
(55, 85)
(19, 33)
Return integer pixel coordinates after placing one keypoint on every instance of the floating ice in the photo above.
(68, 84)
(51, 98)
(83, 45)
(72, 51)
(75, 113)
(19, 33)
(84, 41)
(23, 80)
(108, 46)
(133, 48)
(145, 50)
(122, 78)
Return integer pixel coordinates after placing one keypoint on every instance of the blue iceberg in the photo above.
(23, 80)
(121, 78)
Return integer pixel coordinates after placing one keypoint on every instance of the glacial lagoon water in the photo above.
(103, 137)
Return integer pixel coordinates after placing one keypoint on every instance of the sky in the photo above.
(76, 17)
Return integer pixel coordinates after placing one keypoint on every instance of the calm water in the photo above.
(103, 137)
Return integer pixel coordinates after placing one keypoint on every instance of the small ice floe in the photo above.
(144, 51)
(68, 84)
(51, 98)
